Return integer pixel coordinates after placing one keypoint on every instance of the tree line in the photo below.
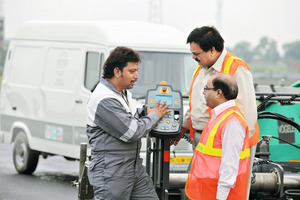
(265, 57)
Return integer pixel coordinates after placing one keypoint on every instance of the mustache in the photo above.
(197, 59)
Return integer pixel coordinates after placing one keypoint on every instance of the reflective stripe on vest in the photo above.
(195, 74)
(208, 148)
(228, 64)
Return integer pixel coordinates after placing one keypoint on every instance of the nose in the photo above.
(136, 75)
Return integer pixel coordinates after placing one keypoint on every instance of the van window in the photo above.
(174, 68)
(26, 62)
(92, 69)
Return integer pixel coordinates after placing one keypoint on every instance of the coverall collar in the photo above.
(111, 86)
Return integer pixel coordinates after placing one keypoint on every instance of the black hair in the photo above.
(119, 58)
(207, 37)
(229, 89)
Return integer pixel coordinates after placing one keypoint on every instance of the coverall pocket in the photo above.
(95, 174)
(113, 165)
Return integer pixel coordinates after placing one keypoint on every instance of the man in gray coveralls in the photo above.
(115, 132)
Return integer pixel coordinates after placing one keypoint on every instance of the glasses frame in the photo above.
(207, 88)
(197, 54)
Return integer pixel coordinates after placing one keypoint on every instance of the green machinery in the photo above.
(277, 105)
(276, 168)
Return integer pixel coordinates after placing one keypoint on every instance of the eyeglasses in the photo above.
(197, 54)
(207, 88)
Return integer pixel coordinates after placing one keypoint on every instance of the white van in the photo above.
(51, 68)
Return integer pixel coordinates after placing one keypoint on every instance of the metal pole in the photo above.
(165, 159)
(148, 156)
(82, 159)
(83, 149)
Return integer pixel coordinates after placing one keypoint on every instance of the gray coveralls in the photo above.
(114, 134)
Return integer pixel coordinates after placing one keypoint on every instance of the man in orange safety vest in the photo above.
(207, 47)
(220, 164)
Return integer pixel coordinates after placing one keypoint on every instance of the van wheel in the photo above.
(25, 159)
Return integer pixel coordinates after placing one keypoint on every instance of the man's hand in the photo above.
(159, 109)
(174, 141)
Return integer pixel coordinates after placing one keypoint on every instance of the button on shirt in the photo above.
(232, 144)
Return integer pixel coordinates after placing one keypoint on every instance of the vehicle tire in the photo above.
(25, 159)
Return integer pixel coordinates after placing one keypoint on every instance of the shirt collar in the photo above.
(218, 64)
(220, 108)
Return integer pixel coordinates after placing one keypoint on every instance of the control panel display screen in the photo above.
(163, 98)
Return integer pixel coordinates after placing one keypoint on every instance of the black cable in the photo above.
(294, 124)
(272, 113)
(278, 117)
(281, 118)
(264, 101)
(285, 141)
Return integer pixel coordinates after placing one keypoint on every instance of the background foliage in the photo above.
(267, 64)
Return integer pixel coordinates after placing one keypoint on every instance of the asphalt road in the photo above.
(50, 181)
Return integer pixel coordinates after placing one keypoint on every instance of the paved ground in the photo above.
(51, 180)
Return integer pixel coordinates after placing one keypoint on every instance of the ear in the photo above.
(219, 93)
(212, 51)
(117, 72)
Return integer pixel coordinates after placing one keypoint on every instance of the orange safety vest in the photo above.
(203, 177)
(229, 66)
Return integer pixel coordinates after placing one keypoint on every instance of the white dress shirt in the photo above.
(232, 144)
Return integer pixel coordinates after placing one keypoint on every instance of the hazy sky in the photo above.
(241, 20)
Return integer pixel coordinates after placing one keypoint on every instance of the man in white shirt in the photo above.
(207, 47)
(220, 164)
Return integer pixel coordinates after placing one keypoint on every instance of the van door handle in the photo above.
(78, 101)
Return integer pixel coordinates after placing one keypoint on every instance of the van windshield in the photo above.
(174, 68)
